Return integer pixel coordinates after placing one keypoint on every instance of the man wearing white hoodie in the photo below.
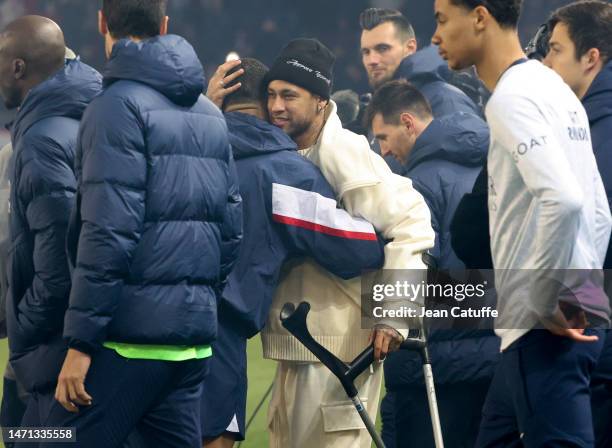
(308, 405)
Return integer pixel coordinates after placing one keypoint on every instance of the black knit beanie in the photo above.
(307, 63)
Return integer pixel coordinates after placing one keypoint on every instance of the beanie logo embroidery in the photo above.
(317, 73)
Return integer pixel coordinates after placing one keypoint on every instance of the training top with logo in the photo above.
(547, 204)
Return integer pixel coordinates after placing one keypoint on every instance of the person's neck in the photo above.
(498, 55)
(111, 41)
(30, 85)
(588, 82)
(311, 135)
(248, 109)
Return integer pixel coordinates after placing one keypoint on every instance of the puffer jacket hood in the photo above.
(65, 94)
(461, 138)
(425, 65)
(168, 64)
(251, 136)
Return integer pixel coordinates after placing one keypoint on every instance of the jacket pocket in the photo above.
(342, 416)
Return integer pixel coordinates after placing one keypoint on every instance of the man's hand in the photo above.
(572, 328)
(385, 339)
(70, 390)
(217, 91)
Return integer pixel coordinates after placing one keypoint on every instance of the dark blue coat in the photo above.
(44, 138)
(265, 155)
(158, 221)
(443, 165)
(428, 72)
(598, 105)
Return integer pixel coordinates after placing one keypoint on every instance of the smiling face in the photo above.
(291, 108)
(456, 35)
(382, 51)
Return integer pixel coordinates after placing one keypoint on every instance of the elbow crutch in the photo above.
(294, 320)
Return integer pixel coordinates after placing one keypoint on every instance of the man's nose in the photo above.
(372, 60)
(384, 151)
(435, 39)
(278, 105)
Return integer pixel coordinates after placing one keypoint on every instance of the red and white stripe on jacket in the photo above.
(311, 211)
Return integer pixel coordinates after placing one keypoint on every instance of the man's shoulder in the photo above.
(335, 134)
(284, 167)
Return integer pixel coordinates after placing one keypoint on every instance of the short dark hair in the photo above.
(395, 97)
(137, 18)
(505, 12)
(251, 89)
(372, 17)
(589, 24)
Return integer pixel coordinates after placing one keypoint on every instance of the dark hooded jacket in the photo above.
(158, 219)
(428, 72)
(266, 159)
(598, 105)
(44, 137)
(443, 165)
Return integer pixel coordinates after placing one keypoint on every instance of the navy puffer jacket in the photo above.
(443, 165)
(44, 137)
(159, 213)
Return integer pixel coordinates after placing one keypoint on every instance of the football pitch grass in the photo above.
(260, 374)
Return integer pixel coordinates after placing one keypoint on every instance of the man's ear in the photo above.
(102, 25)
(321, 104)
(163, 29)
(19, 69)
(591, 58)
(410, 46)
(481, 18)
(407, 120)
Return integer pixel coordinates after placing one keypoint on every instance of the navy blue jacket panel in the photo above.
(274, 177)
(158, 215)
(44, 137)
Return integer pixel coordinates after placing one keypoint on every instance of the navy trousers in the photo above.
(459, 406)
(224, 393)
(539, 396)
(158, 399)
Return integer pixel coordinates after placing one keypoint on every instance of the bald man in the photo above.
(51, 93)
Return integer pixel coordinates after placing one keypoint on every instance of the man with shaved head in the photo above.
(51, 93)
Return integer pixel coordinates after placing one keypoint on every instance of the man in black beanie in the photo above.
(308, 405)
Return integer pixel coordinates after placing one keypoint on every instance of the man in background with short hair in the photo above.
(580, 51)
(389, 50)
(442, 157)
(50, 94)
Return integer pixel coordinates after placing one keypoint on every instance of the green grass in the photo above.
(260, 373)
(3, 358)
